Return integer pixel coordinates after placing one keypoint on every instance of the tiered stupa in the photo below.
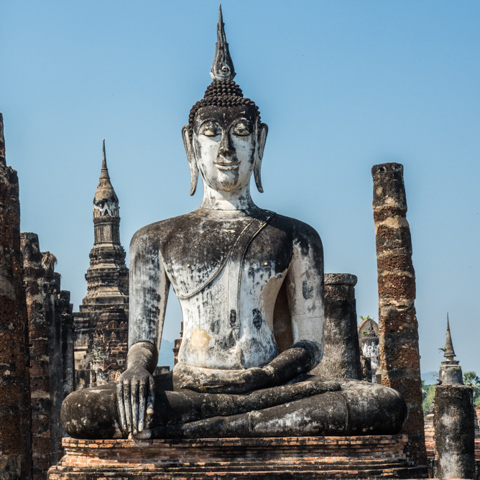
(107, 279)
(450, 371)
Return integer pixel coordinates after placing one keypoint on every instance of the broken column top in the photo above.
(340, 279)
(389, 189)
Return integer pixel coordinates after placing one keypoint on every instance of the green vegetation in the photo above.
(472, 379)
(428, 395)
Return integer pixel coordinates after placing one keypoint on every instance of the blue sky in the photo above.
(342, 85)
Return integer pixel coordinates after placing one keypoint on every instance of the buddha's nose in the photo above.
(226, 149)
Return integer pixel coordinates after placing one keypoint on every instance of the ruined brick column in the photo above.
(454, 432)
(341, 356)
(33, 278)
(55, 350)
(15, 417)
(398, 328)
(65, 310)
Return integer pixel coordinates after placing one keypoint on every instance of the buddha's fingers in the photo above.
(141, 406)
(151, 384)
(121, 408)
(134, 400)
(128, 405)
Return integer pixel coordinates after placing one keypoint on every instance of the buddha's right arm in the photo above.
(148, 297)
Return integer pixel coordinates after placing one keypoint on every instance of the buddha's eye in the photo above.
(210, 129)
(242, 128)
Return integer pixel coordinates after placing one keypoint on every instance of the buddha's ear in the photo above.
(187, 142)
(257, 166)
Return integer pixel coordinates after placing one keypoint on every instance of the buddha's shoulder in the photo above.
(296, 228)
(158, 232)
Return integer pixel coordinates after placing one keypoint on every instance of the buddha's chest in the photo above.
(241, 253)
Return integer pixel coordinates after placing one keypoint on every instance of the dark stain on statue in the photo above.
(257, 318)
(233, 318)
(307, 290)
(215, 326)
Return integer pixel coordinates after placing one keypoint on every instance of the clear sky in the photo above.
(343, 85)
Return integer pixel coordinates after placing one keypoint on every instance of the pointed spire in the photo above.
(2, 143)
(105, 189)
(450, 371)
(104, 172)
(449, 353)
(222, 66)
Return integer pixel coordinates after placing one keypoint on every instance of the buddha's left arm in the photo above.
(304, 282)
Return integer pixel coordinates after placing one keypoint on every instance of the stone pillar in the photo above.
(33, 280)
(454, 432)
(398, 328)
(15, 415)
(341, 356)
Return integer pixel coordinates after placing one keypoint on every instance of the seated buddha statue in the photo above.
(250, 285)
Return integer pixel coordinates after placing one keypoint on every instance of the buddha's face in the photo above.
(224, 142)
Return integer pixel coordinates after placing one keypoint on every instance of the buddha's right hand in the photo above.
(135, 389)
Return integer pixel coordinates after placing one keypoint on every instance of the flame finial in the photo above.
(222, 66)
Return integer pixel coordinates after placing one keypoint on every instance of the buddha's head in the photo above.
(225, 138)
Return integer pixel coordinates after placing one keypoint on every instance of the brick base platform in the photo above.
(236, 458)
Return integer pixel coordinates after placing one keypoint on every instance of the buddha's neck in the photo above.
(239, 200)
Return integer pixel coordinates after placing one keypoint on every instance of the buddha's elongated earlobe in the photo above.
(257, 166)
(187, 142)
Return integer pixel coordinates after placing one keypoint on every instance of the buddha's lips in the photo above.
(227, 165)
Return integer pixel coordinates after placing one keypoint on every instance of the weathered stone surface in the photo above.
(398, 330)
(341, 354)
(299, 458)
(15, 418)
(310, 408)
(454, 432)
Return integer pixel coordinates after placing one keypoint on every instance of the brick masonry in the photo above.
(38, 332)
(15, 420)
(236, 458)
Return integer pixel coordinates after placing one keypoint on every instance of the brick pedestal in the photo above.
(380, 456)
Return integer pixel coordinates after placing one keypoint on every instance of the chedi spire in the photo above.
(449, 352)
(105, 202)
(450, 371)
